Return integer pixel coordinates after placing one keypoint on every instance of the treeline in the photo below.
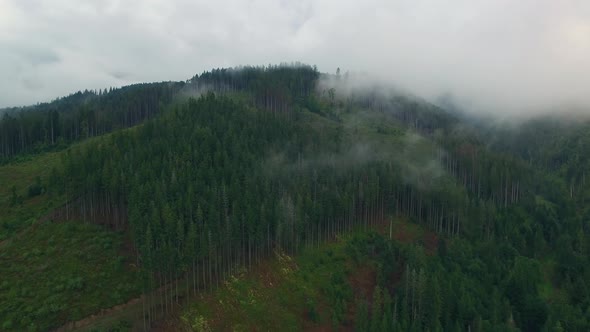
(92, 113)
(80, 115)
(277, 88)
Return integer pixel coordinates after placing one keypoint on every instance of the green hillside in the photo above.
(280, 198)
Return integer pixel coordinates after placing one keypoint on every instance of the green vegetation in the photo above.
(27, 192)
(480, 231)
(59, 272)
(52, 126)
(371, 283)
(291, 293)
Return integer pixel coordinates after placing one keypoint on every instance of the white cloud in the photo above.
(500, 55)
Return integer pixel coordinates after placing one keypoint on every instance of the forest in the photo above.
(204, 180)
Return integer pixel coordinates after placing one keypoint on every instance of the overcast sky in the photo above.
(494, 55)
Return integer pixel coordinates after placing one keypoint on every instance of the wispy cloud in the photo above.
(492, 55)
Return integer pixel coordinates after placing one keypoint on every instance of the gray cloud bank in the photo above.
(499, 56)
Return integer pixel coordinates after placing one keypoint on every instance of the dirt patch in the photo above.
(171, 323)
(362, 282)
(404, 231)
(265, 273)
(430, 240)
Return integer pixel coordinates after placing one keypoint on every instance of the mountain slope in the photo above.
(282, 159)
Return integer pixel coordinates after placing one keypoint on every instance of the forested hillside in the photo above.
(217, 175)
(80, 115)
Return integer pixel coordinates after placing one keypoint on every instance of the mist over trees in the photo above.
(220, 171)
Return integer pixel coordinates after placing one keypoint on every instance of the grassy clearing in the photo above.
(26, 191)
(20, 205)
(316, 290)
(59, 272)
(290, 294)
(278, 293)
